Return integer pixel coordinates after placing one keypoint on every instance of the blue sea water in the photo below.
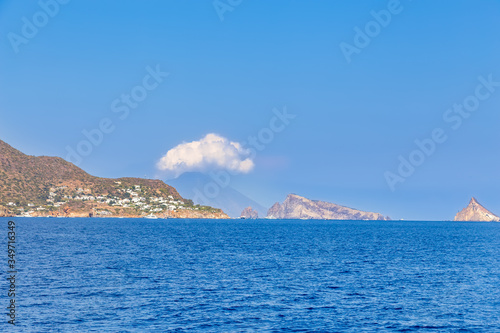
(134, 275)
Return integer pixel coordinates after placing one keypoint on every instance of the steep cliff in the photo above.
(476, 212)
(297, 207)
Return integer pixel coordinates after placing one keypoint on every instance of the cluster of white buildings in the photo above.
(127, 198)
(131, 198)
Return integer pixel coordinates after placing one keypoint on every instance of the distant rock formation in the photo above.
(297, 207)
(477, 213)
(249, 213)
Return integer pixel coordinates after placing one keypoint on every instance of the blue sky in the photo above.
(353, 119)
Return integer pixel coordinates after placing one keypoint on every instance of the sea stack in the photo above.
(477, 213)
(249, 213)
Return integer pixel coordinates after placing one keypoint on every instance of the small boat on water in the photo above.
(151, 216)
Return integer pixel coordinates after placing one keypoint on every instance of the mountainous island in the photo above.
(475, 212)
(297, 207)
(51, 186)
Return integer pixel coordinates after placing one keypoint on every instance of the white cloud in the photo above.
(213, 152)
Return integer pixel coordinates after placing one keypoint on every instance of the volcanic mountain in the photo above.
(297, 207)
(210, 191)
(476, 212)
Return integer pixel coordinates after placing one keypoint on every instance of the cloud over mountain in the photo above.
(213, 152)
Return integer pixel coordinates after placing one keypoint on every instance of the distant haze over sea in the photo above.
(204, 190)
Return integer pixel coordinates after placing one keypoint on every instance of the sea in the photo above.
(142, 275)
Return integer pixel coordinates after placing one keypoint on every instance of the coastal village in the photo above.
(125, 202)
(44, 186)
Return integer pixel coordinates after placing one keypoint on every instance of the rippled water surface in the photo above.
(130, 275)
